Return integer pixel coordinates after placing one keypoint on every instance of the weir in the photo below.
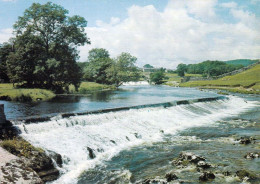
(33, 119)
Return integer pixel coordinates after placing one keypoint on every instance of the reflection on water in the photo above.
(124, 96)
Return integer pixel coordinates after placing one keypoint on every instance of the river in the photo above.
(132, 145)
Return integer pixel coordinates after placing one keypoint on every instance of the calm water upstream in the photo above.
(125, 96)
(132, 145)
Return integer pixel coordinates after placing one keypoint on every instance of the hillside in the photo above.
(244, 62)
(245, 82)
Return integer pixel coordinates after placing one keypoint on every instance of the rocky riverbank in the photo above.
(23, 163)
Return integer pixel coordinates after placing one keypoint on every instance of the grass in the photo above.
(19, 147)
(7, 92)
(245, 82)
(86, 87)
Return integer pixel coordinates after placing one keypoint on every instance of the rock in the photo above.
(127, 138)
(114, 142)
(42, 165)
(171, 176)
(226, 173)
(91, 153)
(138, 136)
(246, 140)
(153, 181)
(243, 173)
(56, 157)
(203, 164)
(251, 155)
(187, 157)
(206, 176)
(17, 172)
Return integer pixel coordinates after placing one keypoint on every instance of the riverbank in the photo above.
(9, 93)
(247, 82)
(21, 162)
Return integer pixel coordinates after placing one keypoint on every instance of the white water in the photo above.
(71, 136)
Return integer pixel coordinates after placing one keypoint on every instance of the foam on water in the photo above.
(109, 133)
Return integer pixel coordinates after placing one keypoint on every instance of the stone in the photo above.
(187, 157)
(206, 176)
(56, 157)
(246, 140)
(17, 172)
(251, 155)
(91, 153)
(244, 173)
(203, 164)
(171, 176)
(42, 165)
(153, 181)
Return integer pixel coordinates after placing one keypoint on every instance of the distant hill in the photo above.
(244, 62)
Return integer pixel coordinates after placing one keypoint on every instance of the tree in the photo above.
(45, 47)
(5, 50)
(124, 69)
(181, 69)
(102, 69)
(99, 62)
(158, 77)
(148, 66)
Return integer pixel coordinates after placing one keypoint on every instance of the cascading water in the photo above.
(109, 133)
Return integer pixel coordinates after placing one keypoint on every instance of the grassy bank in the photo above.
(244, 82)
(7, 92)
(87, 87)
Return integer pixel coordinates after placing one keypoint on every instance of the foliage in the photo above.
(181, 69)
(5, 50)
(19, 147)
(45, 48)
(7, 92)
(246, 82)
(104, 70)
(148, 66)
(211, 68)
(157, 77)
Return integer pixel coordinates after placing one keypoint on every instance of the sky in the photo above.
(162, 33)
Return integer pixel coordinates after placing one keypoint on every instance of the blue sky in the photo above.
(160, 32)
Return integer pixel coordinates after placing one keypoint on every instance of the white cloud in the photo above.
(229, 5)
(5, 34)
(186, 31)
(8, 0)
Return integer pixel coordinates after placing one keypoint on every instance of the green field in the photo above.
(86, 87)
(7, 92)
(244, 82)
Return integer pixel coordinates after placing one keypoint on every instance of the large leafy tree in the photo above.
(124, 69)
(46, 47)
(102, 69)
(5, 50)
(99, 62)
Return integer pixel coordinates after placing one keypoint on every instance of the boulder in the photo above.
(56, 157)
(187, 157)
(246, 140)
(206, 176)
(244, 173)
(203, 165)
(91, 153)
(42, 165)
(251, 155)
(153, 181)
(171, 176)
(17, 172)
